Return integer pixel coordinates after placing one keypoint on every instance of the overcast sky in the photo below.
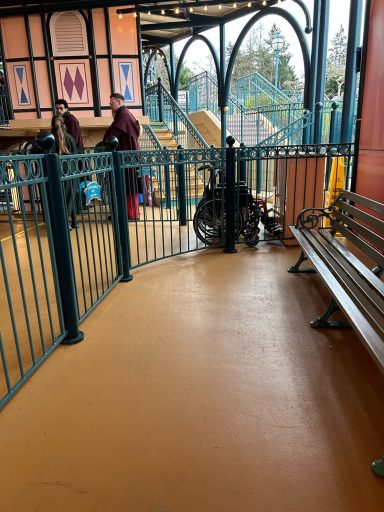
(196, 56)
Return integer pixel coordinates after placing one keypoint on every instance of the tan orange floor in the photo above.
(200, 387)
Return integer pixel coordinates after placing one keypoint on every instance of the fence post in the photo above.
(318, 122)
(241, 122)
(242, 165)
(62, 248)
(230, 206)
(167, 179)
(121, 206)
(160, 100)
(333, 125)
(180, 172)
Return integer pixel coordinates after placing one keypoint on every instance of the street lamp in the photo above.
(277, 45)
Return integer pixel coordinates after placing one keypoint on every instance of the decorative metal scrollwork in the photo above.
(83, 165)
(20, 169)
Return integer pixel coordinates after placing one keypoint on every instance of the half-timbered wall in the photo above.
(80, 56)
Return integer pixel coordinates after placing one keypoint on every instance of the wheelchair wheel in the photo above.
(251, 227)
(209, 223)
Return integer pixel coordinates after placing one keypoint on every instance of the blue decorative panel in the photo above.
(126, 81)
(22, 87)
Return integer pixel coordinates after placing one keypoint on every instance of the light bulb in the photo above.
(220, 6)
(235, 5)
(162, 12)
(177, 10)
(120, 16)
(249, 4)
(191, 9)
(205, 8)
(135, 14)
(149, 13)
(264, 2)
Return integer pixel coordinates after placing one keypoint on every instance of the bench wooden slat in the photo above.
(372, 340)
(364, 231)
(368, 249)
(364, 292)
(358, 264)
(364, 216)
(364, 201)
(357, 289)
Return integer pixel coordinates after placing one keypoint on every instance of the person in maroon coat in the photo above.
(72, 125)
(127, 130)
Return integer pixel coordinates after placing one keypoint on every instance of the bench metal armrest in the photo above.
(310, 218)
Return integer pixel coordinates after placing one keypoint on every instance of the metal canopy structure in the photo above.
(161, 21)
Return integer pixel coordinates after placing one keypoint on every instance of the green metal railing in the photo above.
(94, 248)
(31, 315)
(54, 276)
(148, 140)
(278, 121)
(253, 88)
(163, 108)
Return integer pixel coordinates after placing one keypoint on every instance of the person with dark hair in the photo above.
(72, 125)
(127, 130)
(65, 145)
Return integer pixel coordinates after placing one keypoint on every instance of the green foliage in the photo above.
(185, 78)
(337, 56)
(257, 55)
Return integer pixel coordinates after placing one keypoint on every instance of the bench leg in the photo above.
(378, 467)
(295, 268)
(322, 321)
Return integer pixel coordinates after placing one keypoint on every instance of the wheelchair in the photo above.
(209, 221)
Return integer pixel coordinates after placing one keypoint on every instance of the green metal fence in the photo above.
(94, 247)
(54, 273)
(31, 311)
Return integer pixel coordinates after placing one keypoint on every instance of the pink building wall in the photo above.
(370, 173)
(72, 76)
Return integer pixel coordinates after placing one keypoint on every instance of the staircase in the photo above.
(194, 184)
(164, 135)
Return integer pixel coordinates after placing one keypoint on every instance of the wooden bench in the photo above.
(342, 263)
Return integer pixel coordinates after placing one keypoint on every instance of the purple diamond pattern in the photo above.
(79, 83)
(68, 83)
(74, 82)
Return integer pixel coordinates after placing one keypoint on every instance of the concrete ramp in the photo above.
(209, 127)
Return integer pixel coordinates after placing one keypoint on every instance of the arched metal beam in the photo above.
(300, 35)
(308, 28)
(159, 51)
(182, 55)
